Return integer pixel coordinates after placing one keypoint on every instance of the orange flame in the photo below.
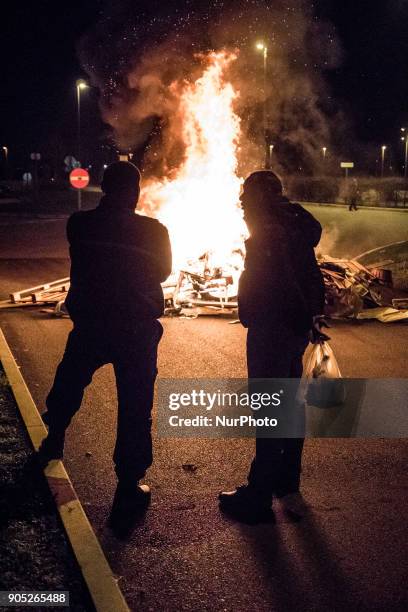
(199, 205)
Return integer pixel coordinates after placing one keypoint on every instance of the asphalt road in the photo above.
(349, 551)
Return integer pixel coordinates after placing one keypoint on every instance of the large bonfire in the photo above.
(199, 204)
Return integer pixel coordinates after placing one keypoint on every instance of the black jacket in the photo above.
(281, 284)
(118, 260)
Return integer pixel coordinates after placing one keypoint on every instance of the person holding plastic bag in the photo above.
(325, 386)
(280, 300)
(334, 403)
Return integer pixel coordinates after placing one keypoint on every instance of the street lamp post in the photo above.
(262, 47)
(6, 154)
(80, 84)
(270, 155)
(324, 151)
(382, 159)
(405, 138)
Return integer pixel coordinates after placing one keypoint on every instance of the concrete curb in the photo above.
(7, 218)
(345, 206)
(15, 219)
(102, 585)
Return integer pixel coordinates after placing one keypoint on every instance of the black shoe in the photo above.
(52, 447)
(128, 507)
(287, 484)
(285, 490)
(293, 507)
(247, 505)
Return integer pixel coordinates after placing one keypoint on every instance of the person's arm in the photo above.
(71, 228)
(316, 294)
(315, 285)
(157, 258)
(163, 259)
(308, 224)
(268, 282)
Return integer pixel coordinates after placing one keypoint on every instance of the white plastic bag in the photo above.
(325, 386)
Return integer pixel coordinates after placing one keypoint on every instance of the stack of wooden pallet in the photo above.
(49, 293)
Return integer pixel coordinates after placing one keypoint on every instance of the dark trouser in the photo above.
(275, 353)
(133, 353)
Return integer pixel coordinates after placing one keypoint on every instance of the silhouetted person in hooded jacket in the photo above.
(118, 261)
(280, 300)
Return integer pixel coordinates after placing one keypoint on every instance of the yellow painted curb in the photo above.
(102, 585)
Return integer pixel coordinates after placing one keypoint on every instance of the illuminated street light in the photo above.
(270, 155)
(6, 154)
(80, 86)
(262, 47)
(324, 151)
(405, 139)
(382, 159)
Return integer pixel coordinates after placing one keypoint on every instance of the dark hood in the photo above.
(118, 202)
(296, 219)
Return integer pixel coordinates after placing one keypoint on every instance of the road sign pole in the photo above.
(35, 181)
(79, 125)
(346, 166)
(79, 178)
(35, 157)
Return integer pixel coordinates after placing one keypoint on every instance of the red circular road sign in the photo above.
(79, 178)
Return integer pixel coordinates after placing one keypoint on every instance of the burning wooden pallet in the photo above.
(208, 295)
(48, 293)
(352, 290)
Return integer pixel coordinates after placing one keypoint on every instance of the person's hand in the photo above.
(316, 334)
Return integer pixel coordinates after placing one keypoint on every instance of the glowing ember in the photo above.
(199, 205)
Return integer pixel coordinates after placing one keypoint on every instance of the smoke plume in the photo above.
(140, 53)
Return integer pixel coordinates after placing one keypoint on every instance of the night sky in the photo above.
(40, 65)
